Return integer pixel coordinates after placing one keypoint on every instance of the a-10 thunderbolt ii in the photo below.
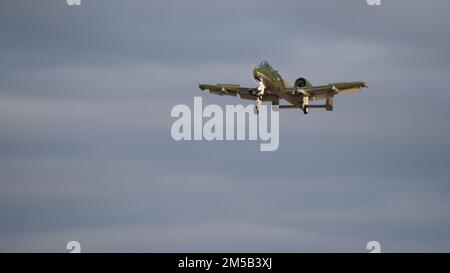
(272, 87)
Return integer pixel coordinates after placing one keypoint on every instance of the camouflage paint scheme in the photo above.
(272, 87)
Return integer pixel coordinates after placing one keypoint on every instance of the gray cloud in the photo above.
(86, 152)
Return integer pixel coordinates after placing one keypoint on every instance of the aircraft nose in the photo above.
(256, 74)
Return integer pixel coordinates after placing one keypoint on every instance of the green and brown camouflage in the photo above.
(272, 87)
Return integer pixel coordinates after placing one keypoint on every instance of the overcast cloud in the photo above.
(86, 152)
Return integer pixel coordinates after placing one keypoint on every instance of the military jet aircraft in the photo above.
(271, 87)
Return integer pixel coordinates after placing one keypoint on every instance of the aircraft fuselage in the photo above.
(271, 78)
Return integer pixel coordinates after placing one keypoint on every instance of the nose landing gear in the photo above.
(261, 88)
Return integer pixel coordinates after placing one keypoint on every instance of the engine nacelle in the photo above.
(302, 82)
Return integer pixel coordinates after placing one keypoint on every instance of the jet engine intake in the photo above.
(302, 82)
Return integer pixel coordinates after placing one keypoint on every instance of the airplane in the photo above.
(272, 87)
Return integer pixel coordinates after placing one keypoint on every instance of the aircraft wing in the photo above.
(327, 91)
(227, 89)
(235, 89)
(230, 90)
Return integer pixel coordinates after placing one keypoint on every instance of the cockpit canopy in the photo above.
(265, 64)
(274, 75)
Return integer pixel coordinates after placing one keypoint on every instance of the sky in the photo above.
(86, 152)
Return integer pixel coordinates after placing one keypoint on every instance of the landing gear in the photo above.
(305, 109)
(261, 88)
(329, 104)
